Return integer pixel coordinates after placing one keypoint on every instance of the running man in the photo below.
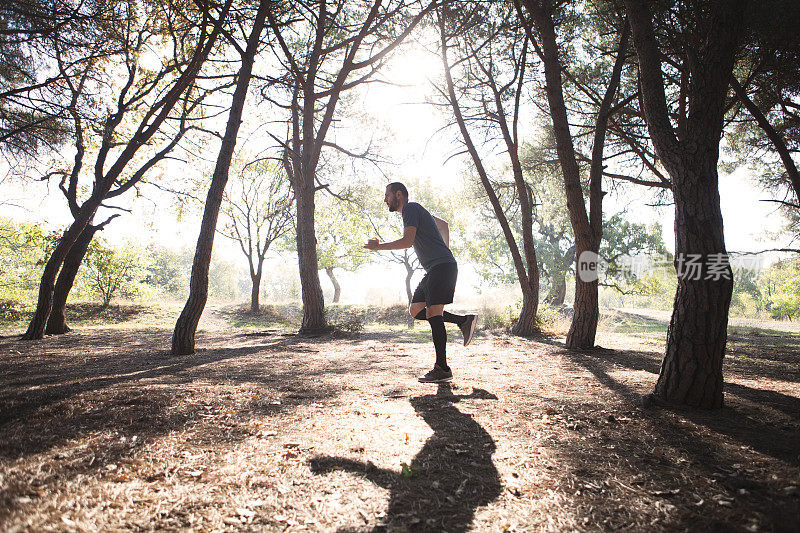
(430, 237)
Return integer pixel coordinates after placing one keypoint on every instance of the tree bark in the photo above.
(183, 336)
(308, 261)
(57, 322)
(337, 289)
(255, 291)
(526, 325)
(691, 373)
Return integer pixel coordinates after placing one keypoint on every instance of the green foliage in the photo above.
(625, 245)
(342, 229)
(780, 285)
(113, 271)
(23, 249)
(506, 317)
(167, 271)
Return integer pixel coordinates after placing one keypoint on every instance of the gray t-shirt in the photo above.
(428, 244)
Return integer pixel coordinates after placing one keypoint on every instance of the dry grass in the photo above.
(101, 429)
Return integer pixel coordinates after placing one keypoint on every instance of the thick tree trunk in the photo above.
(308, 262)
(337, 289)
(186, 326)
(691, 373)
(47, 284)
(57, 322)
(586, 310)
(255, 278)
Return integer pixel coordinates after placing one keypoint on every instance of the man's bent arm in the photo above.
(406, 241)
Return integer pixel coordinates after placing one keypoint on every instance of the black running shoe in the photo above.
(468, 328)
(437, 375)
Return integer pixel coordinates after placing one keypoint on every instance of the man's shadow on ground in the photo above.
(451, 476)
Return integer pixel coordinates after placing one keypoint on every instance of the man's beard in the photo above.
(392, 207)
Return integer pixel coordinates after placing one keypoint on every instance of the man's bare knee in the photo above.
(415, 308)
(434, 310)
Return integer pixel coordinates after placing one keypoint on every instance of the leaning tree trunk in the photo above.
(583, 329)
(337, 289)
(584, 319)
(57, 322)
(47, 284)
(186, 326)
(308, 262)
(588, 228)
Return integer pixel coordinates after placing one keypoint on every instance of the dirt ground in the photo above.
(101, 429)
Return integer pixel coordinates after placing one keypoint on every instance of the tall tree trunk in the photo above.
(308, 262)
(691, 373)
(337, 289)
(588, 228)
(186, 326)
(528, 280)
(57, 322)
(584, 320)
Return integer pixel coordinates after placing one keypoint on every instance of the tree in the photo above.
(22, 247)
(112, 270)
(185, 328)
(328, 49)
(119, 146)
(34, 36)
(587, 227)
(708, 36)
(258, 212)
(492, 76)
(780, 286)
(341, 233)
(766, 112)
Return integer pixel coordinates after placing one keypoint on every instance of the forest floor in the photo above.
(101, 429)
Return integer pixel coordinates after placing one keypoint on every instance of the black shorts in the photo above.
(438, 285)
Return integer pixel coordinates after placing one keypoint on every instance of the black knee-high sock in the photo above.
(439, 335)
(455, 319)
(421, 315)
